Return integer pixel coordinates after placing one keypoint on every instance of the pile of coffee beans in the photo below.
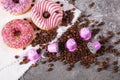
(43, 37)
(82, 54)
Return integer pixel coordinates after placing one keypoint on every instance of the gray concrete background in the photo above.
(103, 10)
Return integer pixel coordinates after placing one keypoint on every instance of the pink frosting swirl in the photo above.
(53, 16)
(17, 33)
(16, 6)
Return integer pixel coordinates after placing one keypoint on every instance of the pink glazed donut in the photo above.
(47, 14)
(18, 33)
(16, 7)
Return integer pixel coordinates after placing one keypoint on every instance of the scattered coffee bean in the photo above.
(91, 4)
(115, 69)
(50, 69)
(32, 5)
(103, 65)
(89, 16)
(115, 62)
(69, 69)
(61, 5)
(118, 33)
(21, 63)
(16, 56)
(43, 62)
(34, 65)
(101, 24)
(107, 60)
(117, 42)
(33, 1)
(87, 66)
(58, 2)
(30, 22)
(110, 34)
(24, 48)
(72, 2)
(25, 19)
(73, 9)
(99, 69)
(95, 31)
(50, 65)
(64, 63)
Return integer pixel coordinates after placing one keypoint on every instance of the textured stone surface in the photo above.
(103, 10)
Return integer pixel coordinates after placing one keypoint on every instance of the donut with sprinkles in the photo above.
(17, 33)
(16, 7)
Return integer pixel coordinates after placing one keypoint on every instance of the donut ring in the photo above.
(17, 33)
(47, 14)
(16, 7)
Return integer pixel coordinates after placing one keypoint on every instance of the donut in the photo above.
(17, 33)
(16, 7)
(47, 14)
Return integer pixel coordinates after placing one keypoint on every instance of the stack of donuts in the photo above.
(19, 33)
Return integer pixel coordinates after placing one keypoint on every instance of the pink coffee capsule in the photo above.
(53, 47)
(32, 55)
(85, 33)
(71, 45)
(94, 46)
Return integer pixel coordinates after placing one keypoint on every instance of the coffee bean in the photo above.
(58, 2)
(100, 24)
(72, 2)
(99, 69)
(24, 48)
(118, 33)
(34, 65)
(33, 1)
(30, 22)
(91, 4)
(61, 5)
(115, 62)
(32, 5)
(69, 69)
(115, 69)
(64, 63)
(25, 19)
(21, 63)
(117, 42)
(43, 62)
(50, 65)
(107, 60)
(50, 69)
(16, 56)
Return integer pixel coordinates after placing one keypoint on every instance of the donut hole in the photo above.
(15, 1)
(17, 33)
(46, 14)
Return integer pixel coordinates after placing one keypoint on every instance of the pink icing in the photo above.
(56, 14)
(27, 33)
(15, 8)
